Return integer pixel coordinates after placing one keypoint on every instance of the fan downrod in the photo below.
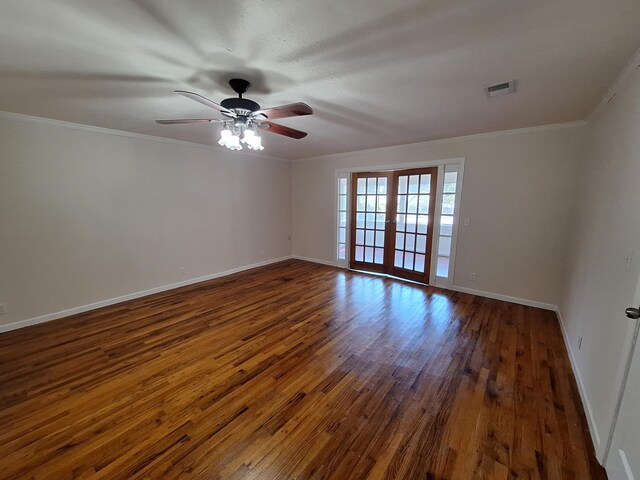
(241, 106)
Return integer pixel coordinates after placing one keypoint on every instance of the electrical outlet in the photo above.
(183, 271)
(3, 308)
(467, 222)
(472, 277)
(579, 343)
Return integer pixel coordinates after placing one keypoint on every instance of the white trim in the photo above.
(462, 138)
(316, 260)
(504, 298)
(530, 303)
(336, 206)
(435, 244)
(625, 464)
(623, 388)
(131, 296)
(336, 198)
(479, 293)
(391, 277)
(122, 133)
(617, 85)
(446, 282)
(595, 436)
(441, 164)
(456, 224)
(402, 166)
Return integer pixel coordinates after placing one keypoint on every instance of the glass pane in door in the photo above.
(371, 216)
(412, 221)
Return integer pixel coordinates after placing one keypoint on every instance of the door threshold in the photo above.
(378, 274)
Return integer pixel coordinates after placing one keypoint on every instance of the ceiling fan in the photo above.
(244, 117)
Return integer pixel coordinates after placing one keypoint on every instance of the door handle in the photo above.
(633, 313)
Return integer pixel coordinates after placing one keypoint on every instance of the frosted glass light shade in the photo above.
(225, 137)
(249, 136)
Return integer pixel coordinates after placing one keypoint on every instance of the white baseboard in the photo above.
(131, 296)
(112, 301)
(314, 260)
(480, 293)
(595, 436)
(504, 298)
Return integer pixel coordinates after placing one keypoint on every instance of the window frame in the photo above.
(439, 281)
(342, 263)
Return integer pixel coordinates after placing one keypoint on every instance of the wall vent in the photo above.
(498, 89)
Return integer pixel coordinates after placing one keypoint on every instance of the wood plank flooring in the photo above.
(294, 371)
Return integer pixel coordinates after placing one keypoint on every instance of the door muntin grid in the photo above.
(413, 200)
(370, 219)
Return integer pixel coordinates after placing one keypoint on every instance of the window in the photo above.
(342, 218)
(447, 219)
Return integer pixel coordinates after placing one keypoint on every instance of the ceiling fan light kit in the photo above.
(244, 117)
(232, 135)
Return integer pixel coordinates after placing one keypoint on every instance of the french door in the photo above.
(392, 222)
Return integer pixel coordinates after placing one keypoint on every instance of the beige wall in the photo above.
(517, 194)
(606, 232)
(87, 216)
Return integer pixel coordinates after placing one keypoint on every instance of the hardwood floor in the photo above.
(294, 371)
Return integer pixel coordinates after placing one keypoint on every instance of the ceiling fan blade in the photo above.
(205, 101)
(282, 130)
(283, 111)
(187, 120)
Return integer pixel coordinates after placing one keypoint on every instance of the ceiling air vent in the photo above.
(498, 89)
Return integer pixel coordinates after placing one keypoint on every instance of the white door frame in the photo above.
(346, 172)
(625, 379)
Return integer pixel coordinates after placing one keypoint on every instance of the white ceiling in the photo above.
(376, 72)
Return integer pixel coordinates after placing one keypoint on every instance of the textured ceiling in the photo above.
(376, 72)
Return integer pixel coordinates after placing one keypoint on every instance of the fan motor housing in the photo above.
(240, 104)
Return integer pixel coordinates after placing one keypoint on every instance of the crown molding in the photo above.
(122, 133)
(142, 136)
(463, 138)
(617, 85)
